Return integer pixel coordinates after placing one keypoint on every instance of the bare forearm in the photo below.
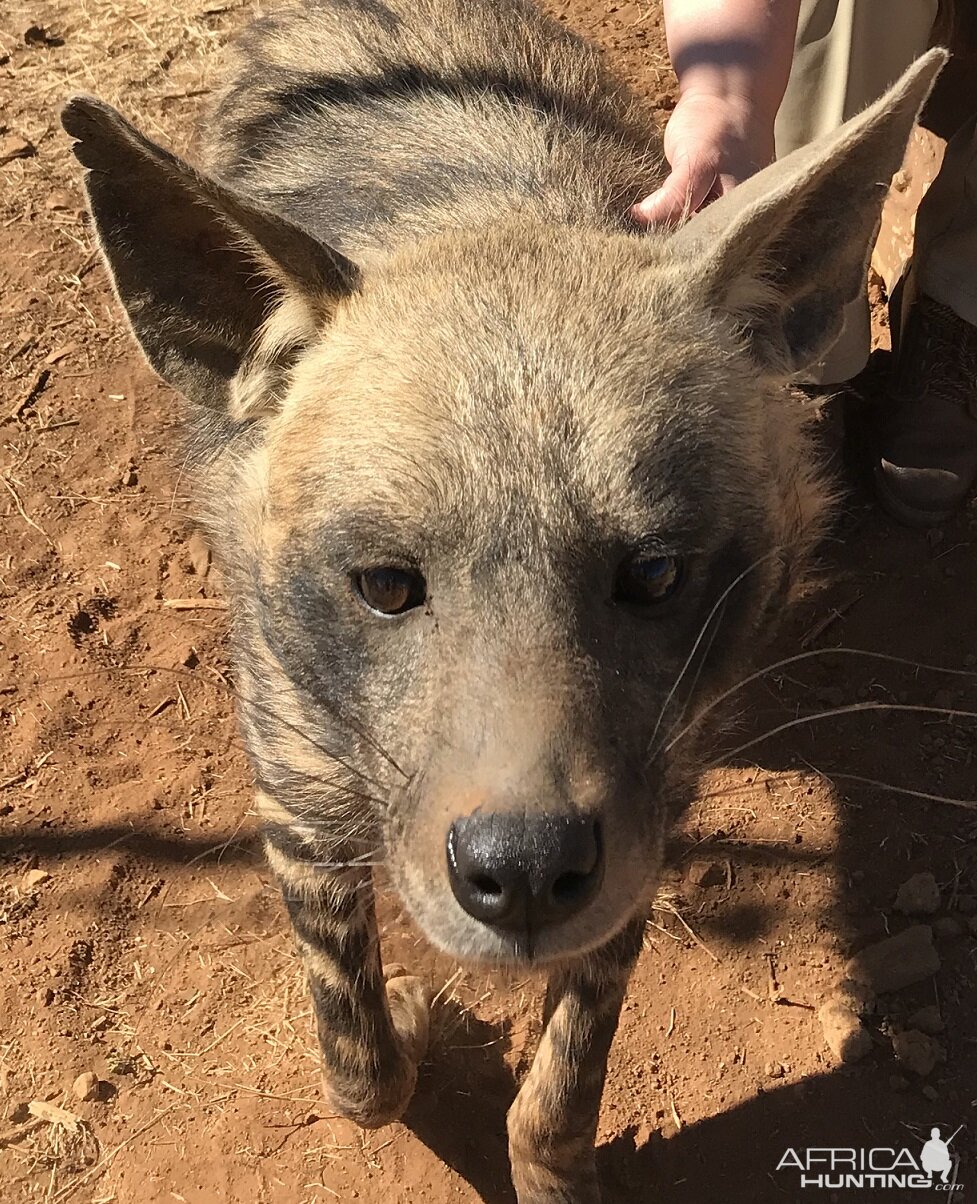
(737, 49)
(732, 59)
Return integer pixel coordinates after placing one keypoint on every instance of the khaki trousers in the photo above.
(846, 54)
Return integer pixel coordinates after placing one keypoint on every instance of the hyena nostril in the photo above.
(487, 886)
(520, 872)
(568, 888)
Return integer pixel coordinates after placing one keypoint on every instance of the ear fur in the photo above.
(199, 268)
(786, 251)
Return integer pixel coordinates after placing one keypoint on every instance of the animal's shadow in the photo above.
(735, 1156)
(463, 1095)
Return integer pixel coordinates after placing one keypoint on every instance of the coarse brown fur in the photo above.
(416, 328)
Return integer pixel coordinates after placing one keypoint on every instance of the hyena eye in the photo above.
(389, 590)
(648, 579)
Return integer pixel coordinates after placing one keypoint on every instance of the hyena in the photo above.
(504, 489)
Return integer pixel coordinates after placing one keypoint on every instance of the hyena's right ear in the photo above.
(200, 269)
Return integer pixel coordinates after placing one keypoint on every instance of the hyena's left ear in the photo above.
(201, 269)
(784, 252)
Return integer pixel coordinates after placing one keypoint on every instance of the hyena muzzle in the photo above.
(504, 489)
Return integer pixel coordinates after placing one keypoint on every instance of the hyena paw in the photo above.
(410, 1007)
(536, 1185)
(371, 1104)
(378, 1099)
(558, 1170)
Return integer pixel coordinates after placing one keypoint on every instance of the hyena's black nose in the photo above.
(521, 872)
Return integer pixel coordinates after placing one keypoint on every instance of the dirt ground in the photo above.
(140, 938)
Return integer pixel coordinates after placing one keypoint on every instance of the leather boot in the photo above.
(926, 445)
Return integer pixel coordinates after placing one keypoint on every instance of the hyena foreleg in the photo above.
(372, 1033)
(553, 1121)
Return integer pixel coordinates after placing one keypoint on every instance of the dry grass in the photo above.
(154, 61)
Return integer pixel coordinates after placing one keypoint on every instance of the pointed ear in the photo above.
(201, 269)
(786, 251)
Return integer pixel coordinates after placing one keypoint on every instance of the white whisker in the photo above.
(803, 656)
(969, 804)
(855, 708)
(702, 632)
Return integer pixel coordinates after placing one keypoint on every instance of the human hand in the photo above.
(712, 143)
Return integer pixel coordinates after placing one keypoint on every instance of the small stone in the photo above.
(199, 554)
(59, 200)
(927, 1020)
(843, 1032)
(85, 1086)
(706, 873)
(931, 1092)
(918, 896)
(35, 878)
(774, 1070)
(129, 477)
(917, 1052)
(45, 997)
(948, 927)
(857, 996)
(897, 962)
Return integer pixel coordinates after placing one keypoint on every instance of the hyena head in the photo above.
(500, 511)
